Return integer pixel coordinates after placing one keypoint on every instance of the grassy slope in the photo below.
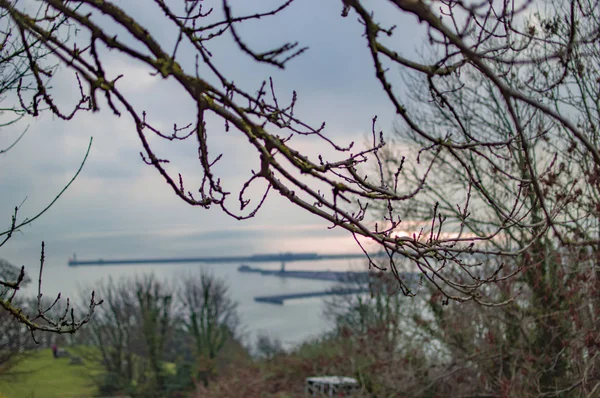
(42, 376)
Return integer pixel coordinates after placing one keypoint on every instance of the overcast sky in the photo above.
(120, 207)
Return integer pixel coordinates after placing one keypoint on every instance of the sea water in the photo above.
(291, 323)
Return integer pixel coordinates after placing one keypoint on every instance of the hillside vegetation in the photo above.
(43, 376)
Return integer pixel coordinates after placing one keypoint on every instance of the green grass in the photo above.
(42, 376)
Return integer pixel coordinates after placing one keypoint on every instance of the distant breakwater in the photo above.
(360, 279)
(257, 258)
(333, 276)
(280, 298)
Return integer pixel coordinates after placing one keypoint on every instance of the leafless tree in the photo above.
(16, 76)
(38, 317)
(132, 332)
(15, 337)
(530, 69)
(378, 308)
(115, 332)
(145, 323)
(544, 343)
(210, 317)
(267, 346)
(517, 137)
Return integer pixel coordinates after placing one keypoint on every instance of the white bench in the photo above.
(330, 386)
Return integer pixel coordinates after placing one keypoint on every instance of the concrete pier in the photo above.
(279, 299)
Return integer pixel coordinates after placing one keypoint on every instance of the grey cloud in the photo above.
(117, 192)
